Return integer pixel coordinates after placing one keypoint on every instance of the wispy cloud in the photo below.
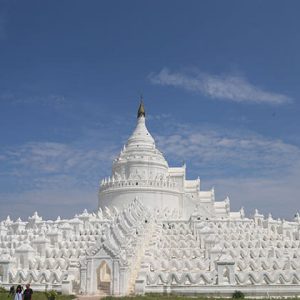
(54, 100)
(254, 170)
(278, 196)
(223, 87)
(227, 151)
(55, 160)
(158, 117)
(53, 178)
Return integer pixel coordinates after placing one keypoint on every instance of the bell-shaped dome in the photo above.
(139, 156)
(140, 136)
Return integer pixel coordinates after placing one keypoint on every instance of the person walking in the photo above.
(27, 292)
(11, 293)
(18, 294)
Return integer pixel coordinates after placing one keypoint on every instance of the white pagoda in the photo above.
(154, 232)
(141, 171)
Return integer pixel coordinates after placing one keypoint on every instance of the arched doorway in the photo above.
(104, 278)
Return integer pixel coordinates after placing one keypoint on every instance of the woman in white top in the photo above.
(19, 294)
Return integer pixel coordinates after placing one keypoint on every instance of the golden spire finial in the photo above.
(141, 111)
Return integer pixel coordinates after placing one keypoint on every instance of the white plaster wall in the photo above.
(153, 199)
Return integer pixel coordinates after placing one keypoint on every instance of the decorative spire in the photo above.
(141, 111)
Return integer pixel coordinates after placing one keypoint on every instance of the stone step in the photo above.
(104, 288)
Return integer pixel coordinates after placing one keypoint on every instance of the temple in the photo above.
(141, 171)
(154, 232)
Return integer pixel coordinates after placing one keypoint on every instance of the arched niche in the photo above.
(104, 278)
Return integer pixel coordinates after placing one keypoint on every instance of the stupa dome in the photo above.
(140, 158)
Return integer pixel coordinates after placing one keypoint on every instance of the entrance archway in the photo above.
(104, 278)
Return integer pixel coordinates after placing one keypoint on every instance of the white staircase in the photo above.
(143, 244)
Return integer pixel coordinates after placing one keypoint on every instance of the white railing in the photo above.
(165, 184)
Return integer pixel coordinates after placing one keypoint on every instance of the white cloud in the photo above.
(53, 178)
(228, 150)
(255, 171)
(50, 158)
(278, 196)
(46, 100)
(158, 117)
(225, 87)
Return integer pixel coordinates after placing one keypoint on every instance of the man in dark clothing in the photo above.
(11, 293)
(27, 292)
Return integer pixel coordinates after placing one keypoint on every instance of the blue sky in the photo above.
(220, 81)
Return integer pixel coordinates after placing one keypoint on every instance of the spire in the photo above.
(141, 111)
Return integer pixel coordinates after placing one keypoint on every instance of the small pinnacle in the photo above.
(141, 110)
